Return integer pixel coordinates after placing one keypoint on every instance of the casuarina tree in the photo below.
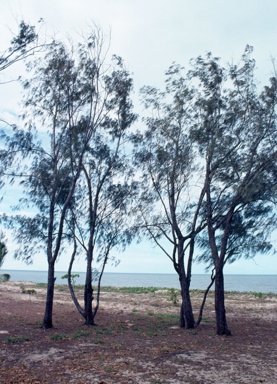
(105, 191)
(170, 201)
(235, 136)
(208, 164)
(67, 101)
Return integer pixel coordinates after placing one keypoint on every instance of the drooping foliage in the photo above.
(3, 252)
(208, 163)
(105, 191)
(168, 211)
(71, 96)
(235, 136)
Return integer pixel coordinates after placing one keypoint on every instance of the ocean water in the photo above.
(241, 283)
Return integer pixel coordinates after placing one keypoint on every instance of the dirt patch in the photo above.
(137, 340)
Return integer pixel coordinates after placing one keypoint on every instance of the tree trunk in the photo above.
(47, 320)
(221, 321)
(71, 289)
(186, 314)
(88, 296)
(204, 300)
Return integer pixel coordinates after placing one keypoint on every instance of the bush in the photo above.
(5, 277)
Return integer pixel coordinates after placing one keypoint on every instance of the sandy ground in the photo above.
(137, 340)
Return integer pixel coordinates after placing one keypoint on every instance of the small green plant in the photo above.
(150, 313)
(258, 295)
(173, 295)
(28, 291)
(18, 339)
(79, 334)
(41, 285)
(58, 336)
(167, 316)
(98, 331)
(72, 276)
(103, 331)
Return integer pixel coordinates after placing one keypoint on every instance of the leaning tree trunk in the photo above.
(48, 314)
(69, 280)
(204, 300)
(186, 313)
(221, 321)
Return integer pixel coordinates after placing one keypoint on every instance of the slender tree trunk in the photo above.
(88, 295)
(204, 300)
(71, 289)
(48, 314)
(221, 321)
(186, 312)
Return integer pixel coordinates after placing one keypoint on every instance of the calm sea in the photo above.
(242, 283)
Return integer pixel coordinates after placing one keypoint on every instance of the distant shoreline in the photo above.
(238, 283)
(139, 273)
(136, 289)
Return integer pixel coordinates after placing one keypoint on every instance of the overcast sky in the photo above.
(150, 35)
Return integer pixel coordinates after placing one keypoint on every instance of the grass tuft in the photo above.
(58, 336)
(18, 339)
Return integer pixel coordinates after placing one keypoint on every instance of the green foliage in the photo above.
(5, 277)
(58, 336)
(173, 295)
(28, 291)
(167, 316)
(3, 252)
(102, 331)
(18, 339)
(79, 177)
(41, 285)
(79, 334)
(22, 45)
(235, 138)
(136, 290)
(259, 295)
(72, 276)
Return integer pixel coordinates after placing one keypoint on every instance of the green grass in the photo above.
(103, 331)
(167, 316)
(144, 290)
(258, 295)
(79, 334)
(18, 339)
(137, 290)
(58, 336)
(41, 285)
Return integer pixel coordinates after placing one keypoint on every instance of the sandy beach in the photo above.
(136, 340)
